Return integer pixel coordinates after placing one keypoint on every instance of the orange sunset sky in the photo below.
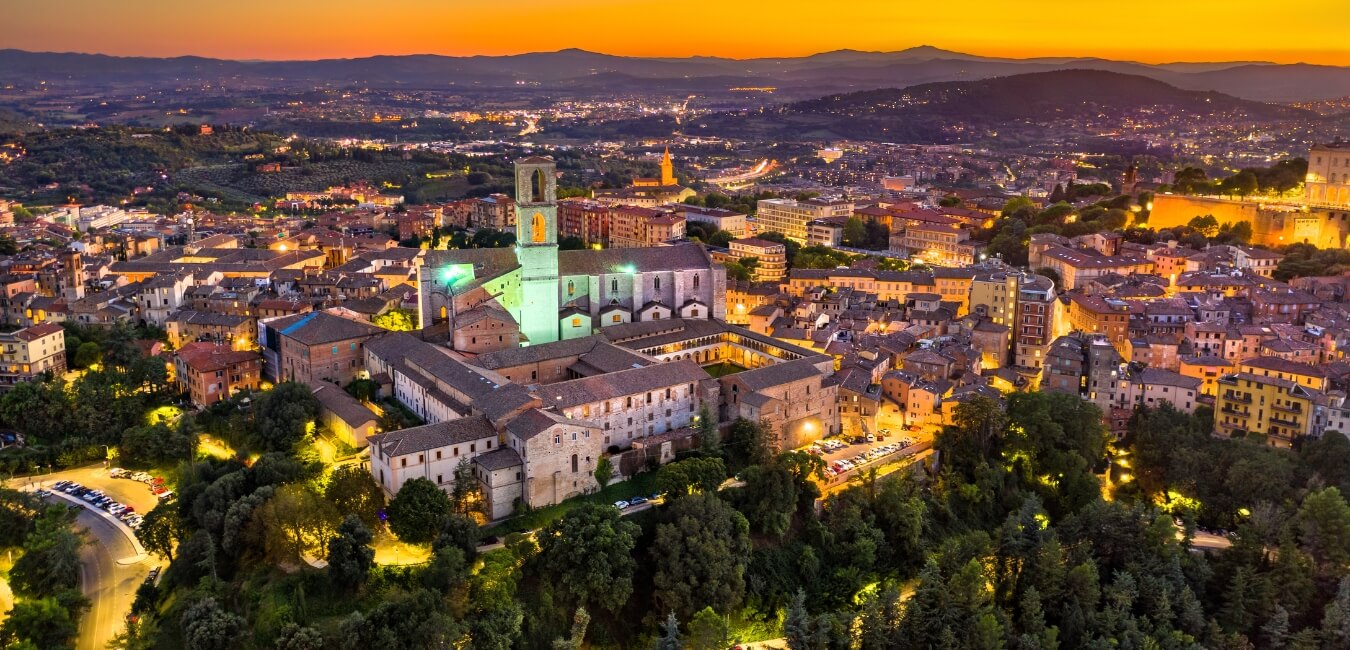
(1312, 31)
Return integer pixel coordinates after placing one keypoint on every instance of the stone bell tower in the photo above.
(537, 248)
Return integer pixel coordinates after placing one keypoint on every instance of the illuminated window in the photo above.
(576, 322)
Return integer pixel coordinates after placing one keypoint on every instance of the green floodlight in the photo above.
(452, 275)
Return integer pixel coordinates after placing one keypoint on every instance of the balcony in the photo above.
(1237, 397)
(1296, 409)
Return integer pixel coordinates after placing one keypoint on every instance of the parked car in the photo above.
(166, 496)
(117, 472)
(622, 505)
(637, 501)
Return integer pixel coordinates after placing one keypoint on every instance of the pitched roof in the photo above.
(346, 407)
(779, 374)
(626, 382)
(499, 458)
(432, 436)
(318, 327)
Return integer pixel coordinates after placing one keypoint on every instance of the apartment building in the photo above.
(211, 372)
(27, 353)
(771, 256)
(1278, 408)
(789, 216)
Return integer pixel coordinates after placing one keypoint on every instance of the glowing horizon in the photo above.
(1147, 31)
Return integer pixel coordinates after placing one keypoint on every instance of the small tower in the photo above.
(537, 249)
(667, 169)
(72, 276)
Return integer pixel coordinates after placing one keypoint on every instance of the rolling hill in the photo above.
(971, 110)
(828, 72)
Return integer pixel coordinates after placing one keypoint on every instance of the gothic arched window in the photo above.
(571, 288)
(538, 229)
(656, 284)
(696, 281)
(539, 186)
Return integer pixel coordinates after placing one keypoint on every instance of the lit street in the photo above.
(110, 569)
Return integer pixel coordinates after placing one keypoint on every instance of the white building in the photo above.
(789, 216)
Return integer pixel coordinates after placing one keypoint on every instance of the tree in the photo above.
(1336, 617)
(299, 637)
(604, 471)
(588, 555)
(768, 499)
(670, 637)
(749, 443)
(87, 355)
(161, 530)
(466, 494)
(1018, 206)
(50, 562)
(448, 570)
(461, 532)
(1276, 630)
(349, 553)
(580, 621)
(1207, 225)
(855, 233)
(352, 489)
(206, 626)
(19, 512)
(398, 320)
(43, 622)
(402, 622)
(1324, 529)
(282, 416)
(700, 554)
(157, 443)
(708, 631)
(721, 239)
(691, 476)
(296, 522)
(418, 511)
(803, 632)
(709, 438)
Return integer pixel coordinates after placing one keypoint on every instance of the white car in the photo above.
(622, 505)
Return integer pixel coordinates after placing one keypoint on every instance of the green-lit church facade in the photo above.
(555, 295)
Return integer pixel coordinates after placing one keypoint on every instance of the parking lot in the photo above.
(843, 455)
(123, 494)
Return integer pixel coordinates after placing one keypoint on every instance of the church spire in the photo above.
(667, 168)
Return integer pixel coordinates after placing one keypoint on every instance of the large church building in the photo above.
(557, 295)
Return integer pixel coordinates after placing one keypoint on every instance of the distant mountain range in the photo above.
(1011, 108)
(828, 72)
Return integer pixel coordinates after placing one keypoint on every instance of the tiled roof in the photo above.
(500, 458)
(346, 407)
(627, 382)
(432, 436)
(316, 328)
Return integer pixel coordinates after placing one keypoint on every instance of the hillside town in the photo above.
(535, 363)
